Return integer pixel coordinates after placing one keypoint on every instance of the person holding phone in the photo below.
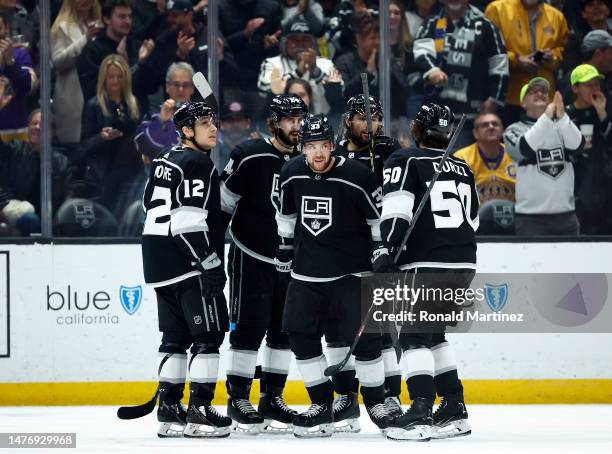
(109, 123)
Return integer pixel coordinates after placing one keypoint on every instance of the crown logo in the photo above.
(316, 225)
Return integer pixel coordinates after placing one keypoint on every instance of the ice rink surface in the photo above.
(575, 429)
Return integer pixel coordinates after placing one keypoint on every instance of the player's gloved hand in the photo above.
(385, 145)
(382, 260)
(283, 260)
(213, 275)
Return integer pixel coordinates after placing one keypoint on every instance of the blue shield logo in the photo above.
(496, 296)
(130, 298)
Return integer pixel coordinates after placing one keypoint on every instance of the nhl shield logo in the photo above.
(496, 296)
(130, 298)
(316, 213)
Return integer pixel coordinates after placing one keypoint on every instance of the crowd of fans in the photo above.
(532, 77)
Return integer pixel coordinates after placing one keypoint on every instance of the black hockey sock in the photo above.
(421, 386)
(323, 393)
(171, 392)
(240, 372)
(319, 387)
(446, 377)
(271, 383)
(201, 392)
(393, 374)
(343, 381)
(418, 364)
(393, 385)
(372, 378)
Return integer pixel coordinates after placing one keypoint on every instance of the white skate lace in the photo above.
(314, 410)
(280, 403)
(244, 406)
(341, 402)
(379, 411)
(393, 405)
(440, 409)
(210, 410)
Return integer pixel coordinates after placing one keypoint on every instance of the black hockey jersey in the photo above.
(444, 235)
(379, 156)
(183, 217)
(331, 218)
(249, 190)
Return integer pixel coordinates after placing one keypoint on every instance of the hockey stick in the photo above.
(334, 369)
(203, 87)
(368, 112)
(138, 411)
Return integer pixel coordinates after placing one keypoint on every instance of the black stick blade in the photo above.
(137, 411)
(332, 370)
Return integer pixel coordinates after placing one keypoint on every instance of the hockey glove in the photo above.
(213, 275)
(283, 260)
(385, 146)
(382, 260)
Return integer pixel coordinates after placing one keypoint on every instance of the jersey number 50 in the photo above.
(458, 207)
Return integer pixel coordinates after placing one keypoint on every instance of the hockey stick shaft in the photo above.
(203, 88)
(334, 369)
(368, 111)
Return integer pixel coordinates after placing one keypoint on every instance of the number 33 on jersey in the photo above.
(444, 236)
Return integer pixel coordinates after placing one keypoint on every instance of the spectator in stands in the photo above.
(108, 128)
(420, 11)
(20, 179)
(401, 41)
(298, 59)
(589, 112)
(78, 22)
(595, 15)
(157, 132)
(20, 23)
(235, 128)
(185, 39)
(535, 34)
(543, 143)
(596, 51)
(17, 80)
(252, 29)
(301, 88)
(494, 170)
(309, 10)
(116, 39)
(364, 59)
(463, 62)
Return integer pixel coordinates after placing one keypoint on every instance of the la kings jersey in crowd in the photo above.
(182, 207)
(471, 52)
(543, 150)
(332, 218)
(251, 178)
(444, 234)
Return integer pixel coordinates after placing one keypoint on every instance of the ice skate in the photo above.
(379, 414)
(172, 418)
(394, 406)
(278, 417)
(316, 422)
(245, 418)
(346, 413)
(451, 418)
(204, 421)
(415, 424)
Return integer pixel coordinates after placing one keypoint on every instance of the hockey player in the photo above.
(182, 243)
(328, 219)
(440, 253)
(249, 191)
(357, 145)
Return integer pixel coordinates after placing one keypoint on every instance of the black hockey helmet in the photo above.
(316, 127)
(436, 121)
(356, 105)
(286, 105)
(188, 113)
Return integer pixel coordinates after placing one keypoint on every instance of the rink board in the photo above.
(78, 326)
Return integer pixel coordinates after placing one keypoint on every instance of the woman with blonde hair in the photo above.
(77, 22)
(108, 128)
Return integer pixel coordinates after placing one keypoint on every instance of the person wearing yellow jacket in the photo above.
(535, 35)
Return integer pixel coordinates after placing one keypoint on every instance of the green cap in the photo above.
(584, 73)
(532, 83)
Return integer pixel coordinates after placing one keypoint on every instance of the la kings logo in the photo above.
(316, 213)
(275, 193)
(551, 162)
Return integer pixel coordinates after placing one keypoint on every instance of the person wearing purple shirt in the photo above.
(16, 81)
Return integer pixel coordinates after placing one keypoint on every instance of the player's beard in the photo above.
(285, 139)
(357, 139)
